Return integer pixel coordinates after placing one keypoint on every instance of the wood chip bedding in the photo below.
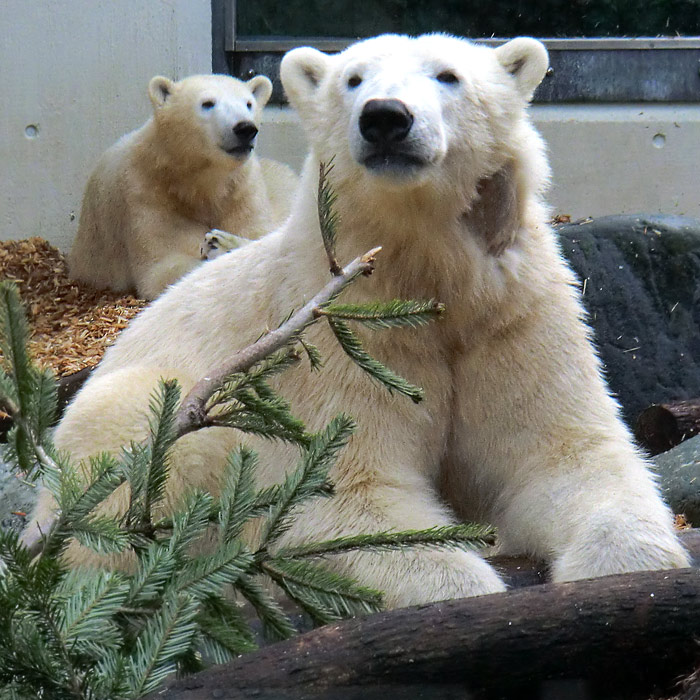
(71, 324)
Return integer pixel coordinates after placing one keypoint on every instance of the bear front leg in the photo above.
(163, 248)
(610, 516)
(542, 448)
(410, 576)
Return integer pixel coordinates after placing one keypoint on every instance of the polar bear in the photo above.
(156, 192)
(435, 159)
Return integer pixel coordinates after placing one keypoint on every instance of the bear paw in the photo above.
(217, 242)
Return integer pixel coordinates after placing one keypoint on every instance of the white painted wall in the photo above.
(606, 159)
(73, 78)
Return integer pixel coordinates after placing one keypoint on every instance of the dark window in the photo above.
(602, 58)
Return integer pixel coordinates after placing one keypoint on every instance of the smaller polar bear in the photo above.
(434, 159)
(159, 190)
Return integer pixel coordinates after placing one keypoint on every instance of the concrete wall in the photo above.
(73, 77)
(606, 159)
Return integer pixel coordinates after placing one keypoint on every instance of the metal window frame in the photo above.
(596, 70)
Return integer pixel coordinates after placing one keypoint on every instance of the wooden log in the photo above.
(663, 426)
(638, 630)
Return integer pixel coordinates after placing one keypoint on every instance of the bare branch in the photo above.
(192, 414)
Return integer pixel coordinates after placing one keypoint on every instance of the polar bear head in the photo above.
(213, 117)
(405, 112)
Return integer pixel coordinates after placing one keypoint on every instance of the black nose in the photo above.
(246, 132)
(385, 121)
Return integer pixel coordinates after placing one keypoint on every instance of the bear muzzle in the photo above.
(385, 125)
(385, 122)
(241, 141)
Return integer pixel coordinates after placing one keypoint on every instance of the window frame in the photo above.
(583, 70)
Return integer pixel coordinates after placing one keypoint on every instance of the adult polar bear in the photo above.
(189, 169)
(436, 161)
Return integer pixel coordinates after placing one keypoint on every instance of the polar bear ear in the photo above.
(261, 87)
(159, 90)
(302, 71)
(527, 61)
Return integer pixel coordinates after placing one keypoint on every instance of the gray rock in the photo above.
(679, 471)
(16, 495)
(642, 293)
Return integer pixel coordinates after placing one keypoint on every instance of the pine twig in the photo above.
(192, 414)
(327, 218)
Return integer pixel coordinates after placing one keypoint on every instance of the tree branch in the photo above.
(192, 414)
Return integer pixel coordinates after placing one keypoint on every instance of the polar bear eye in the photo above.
(208, 104)
(354, 81)
(249, 105)
(447, 77)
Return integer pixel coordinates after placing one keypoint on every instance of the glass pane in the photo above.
(499, 18)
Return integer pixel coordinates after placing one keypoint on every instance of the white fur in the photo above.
(517, 427)
(155, 193)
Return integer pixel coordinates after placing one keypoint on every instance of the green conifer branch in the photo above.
(166, 636)
(327, 216)
(190, 521)
(207, 575)
(237, 499)
(269, 366)
(313, 353)
(163, 407)
(155, 568)
(397, 313)
(14, 336)
(225, 631)
(310, 478)
(353, 348)
(89, 601)
(326, 596)
(463, 536)
(276, 625)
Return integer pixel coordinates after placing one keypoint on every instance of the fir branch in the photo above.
(255, 424)
(163, 407)
(192, 414)
(166, 636)
(224, 630)
(105, 476)
(463, 536)
(313, 353)
(324, 595)
(274, 411)
(14, 336)
(44, 455)
(44, 403)
(207, 575)
(190, 521)
(75, 504)
(237, 499)
(102, 534)
(156, 566)
(327, 217)
(276, 625)
(310, 478)
(392, 314)
(107, 678)
(276, 363)
(353, 347)
(90, 600)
